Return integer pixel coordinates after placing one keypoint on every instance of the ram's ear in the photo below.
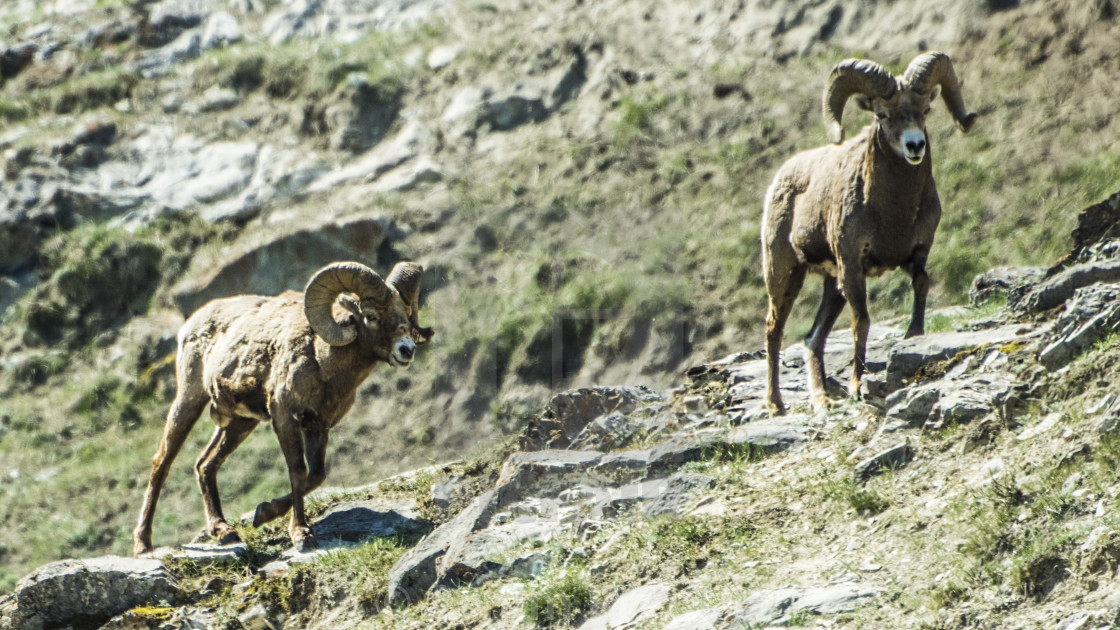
(422, 335)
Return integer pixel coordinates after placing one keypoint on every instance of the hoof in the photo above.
(140, 548)
(304, 542)
(822, 403)
(776, 409)
(228, 537)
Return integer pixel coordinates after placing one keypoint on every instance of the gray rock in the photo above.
(890, 459)
(1061, 287)
(1110, 417)
(355, 521)
(1091, 314)
(967, 399)
(605, 433)
(258, 618)
(677, 451)
(1002, 281)
(383, 158)
(205, 553)
(167, 19)
(420, 567)
(775, 607)
(362, 114)
(678, 491)
(281, 262)
(913, 405)
(218, 99)
(706, 619)
(440, 56)
(87, 593)
(568, 413)
(162, 61)
(771, 436)
(631, 609)
(222, 29)
(909, 355)
(530, 566)
(443, 490)
(510, 111)
(422, 171)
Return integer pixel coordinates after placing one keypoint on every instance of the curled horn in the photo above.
(853, 76)
(325, 287)
(936, 68)
(405, 278)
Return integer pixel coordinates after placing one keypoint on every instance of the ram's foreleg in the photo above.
(305, 438)
(916, 269)
(853, 285)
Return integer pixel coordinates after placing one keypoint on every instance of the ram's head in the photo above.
(900, 104)
(381, 315)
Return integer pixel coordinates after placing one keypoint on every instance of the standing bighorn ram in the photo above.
(288, 361)
(852, 210)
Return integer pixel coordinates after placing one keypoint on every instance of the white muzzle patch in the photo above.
(913, 145)
(403, 352)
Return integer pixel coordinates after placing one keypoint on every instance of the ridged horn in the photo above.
(935, 68)
(405, 278)
(853, 76)
(325, 287)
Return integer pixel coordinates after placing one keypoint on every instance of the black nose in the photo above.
(916, 145)
(406, 352)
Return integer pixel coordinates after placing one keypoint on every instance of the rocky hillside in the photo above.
(581, 180)
(973, 486)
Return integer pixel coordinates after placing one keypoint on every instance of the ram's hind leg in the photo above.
(783, 293)
(227, 437)
(832, 302)
(185, 411)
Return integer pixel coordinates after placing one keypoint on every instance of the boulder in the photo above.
(283, 261)
(569, 413)
(907, 356)
(362, 113)
(87, 593)
(1092, 313)
(222, 29)
(705, 619)
(1002, 281)
(1061, 287)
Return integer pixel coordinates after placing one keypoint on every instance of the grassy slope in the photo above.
(653, 212)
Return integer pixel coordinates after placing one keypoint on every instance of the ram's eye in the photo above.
(927, 111)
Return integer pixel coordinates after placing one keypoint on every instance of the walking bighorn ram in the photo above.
(852, 210)
(285, 360)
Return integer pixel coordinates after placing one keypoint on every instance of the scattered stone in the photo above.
(259, 618)
(913, 405)
(443, 490)
(890, 459)
(441, 56)
(777, 607)
(422, 171)
(631, 609)
(771, 436)
(218, 99)
(907, 356)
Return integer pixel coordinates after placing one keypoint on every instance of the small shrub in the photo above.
(562, 602)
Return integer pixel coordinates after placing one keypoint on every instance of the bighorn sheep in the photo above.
(852, 210)
(286, 360)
